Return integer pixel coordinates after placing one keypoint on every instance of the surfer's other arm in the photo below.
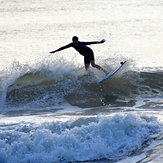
(61, 48)
(96, 42)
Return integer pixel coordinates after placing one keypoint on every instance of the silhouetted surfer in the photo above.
(83, 50)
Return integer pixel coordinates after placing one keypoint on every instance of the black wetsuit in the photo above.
(83, 50)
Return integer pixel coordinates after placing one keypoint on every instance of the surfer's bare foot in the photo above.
(105, 72)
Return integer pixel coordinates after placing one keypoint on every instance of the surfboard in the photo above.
(111, 73)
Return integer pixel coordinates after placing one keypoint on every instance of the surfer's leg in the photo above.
(92, 61)
(97, 66)
(86, 66)
(86, 62)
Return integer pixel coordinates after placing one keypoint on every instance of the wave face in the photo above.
(108, 138)
(46, 88)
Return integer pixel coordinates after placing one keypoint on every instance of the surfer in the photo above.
(87, 52)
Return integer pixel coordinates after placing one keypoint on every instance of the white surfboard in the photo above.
(111, 73)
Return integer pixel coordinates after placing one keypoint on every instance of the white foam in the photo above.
(86, 138)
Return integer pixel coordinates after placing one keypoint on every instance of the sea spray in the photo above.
(89, 138)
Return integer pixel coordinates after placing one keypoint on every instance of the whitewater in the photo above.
(52, 110)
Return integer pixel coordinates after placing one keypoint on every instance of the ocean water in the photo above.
(52, 111)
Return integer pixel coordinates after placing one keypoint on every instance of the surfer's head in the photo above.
(75, 40)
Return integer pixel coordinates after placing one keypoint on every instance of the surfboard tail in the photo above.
(123, 62)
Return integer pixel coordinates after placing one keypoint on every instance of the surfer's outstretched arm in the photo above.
(96, 42)
(61, 48)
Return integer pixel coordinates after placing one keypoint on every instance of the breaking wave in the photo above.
(108, 138)
(46, 87)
